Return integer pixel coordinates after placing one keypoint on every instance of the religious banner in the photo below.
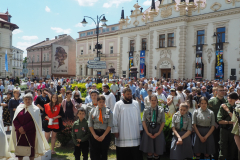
(199, 66)
(219, 61)
(130, 59)
(59, 59)
(142, 63)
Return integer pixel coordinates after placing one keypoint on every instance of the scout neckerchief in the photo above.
(181, 122)
(100, 116)
(154, 114)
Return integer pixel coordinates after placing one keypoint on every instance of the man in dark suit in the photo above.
(99, 80)
(204, 93)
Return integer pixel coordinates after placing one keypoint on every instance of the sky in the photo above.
(41, 19)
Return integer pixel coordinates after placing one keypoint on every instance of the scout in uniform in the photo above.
(228, 147)
(214, 105)
(236, 128)
(80, 135)
(204, 124)
(100, 123)
(153, 141)
(94, 94)
(181, 146)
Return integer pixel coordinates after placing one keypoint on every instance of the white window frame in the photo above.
(111, 49)
(124, 75)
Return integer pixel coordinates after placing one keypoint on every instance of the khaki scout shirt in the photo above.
(187, 121)
(214, 105)
(223, 115)
(203, 118)
(107, 116)
(148, 113)
(147, 102)
(88, 109)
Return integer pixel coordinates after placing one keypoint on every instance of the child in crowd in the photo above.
(181, 146)
(80, 135)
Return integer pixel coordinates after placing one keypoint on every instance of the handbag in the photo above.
(44, 123)
(23, 150)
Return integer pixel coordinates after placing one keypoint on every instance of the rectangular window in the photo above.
(144, 44)
(114, 28)
(81, 52)
(37, 71)
(170, 39)
(47, 57)
(82, 34)
(132, 45)
(10, 41)
(220, 34)
(90, 33)
(99, 31)
(90, 47)
(111, 50)
(32, 59)
(124, 74)
(37, 58)
(200, 37)
(105, 30)
(162, 41)
(47, 71)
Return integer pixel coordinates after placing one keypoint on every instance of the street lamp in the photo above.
(103, 20)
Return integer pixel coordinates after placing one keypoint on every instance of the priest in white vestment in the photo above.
(127, 126)
(110, 98)
(4, 153)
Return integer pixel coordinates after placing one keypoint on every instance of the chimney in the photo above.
(47, 39)
(55, 37)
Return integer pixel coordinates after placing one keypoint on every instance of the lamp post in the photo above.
(103, 20)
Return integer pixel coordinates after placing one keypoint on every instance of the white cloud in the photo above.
(114, 3)
(147, 3)
(87, 2)
(29, 38)
(23, 46)
(79, 25)
(47, 9)
(16, 31)
(60, 30)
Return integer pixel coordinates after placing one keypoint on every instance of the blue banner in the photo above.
(6, 62)
(219, 64)
(142, 63)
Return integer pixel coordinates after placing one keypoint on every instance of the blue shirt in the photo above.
(144, 94)
(190, 89)
(88, 100)
(1, 88)
(138, 92)
(133, 88)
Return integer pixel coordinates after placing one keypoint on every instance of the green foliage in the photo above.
(168, 131)
(65, 135)
(23, 87)
(83, 90)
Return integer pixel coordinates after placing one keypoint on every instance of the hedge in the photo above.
(83, 90)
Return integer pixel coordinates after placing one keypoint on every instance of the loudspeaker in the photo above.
(233, 72)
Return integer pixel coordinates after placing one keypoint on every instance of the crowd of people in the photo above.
(205, 117)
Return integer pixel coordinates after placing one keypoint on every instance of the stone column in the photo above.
(84, 71)
(94, 73)
(89, 71)
(182, 51)
(191, 7)
(182, 8)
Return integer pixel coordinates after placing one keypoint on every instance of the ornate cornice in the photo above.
(182, 19)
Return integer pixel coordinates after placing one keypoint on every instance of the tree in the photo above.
(24, 61)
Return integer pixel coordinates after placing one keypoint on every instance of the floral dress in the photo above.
(6, 114)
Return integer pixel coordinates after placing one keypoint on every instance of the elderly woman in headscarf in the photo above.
(27, 129)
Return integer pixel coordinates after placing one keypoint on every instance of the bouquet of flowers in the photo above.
(161, 103)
